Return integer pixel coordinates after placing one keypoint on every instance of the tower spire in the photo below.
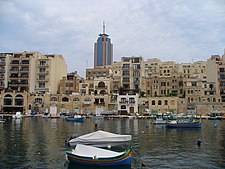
(103, 27)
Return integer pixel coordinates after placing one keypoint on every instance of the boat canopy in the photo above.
(89, 151)
(101, 136)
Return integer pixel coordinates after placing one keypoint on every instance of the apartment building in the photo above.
(49, 71)
(215, 73)
(4, 68)
(70, 83)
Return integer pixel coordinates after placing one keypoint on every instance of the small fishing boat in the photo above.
(101, 139)
(184, 123)
(215, 115)
(93, 156)
(76, 118)
(159, 120)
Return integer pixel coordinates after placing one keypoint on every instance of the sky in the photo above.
(171, 30)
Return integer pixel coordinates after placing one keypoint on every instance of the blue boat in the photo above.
(76, 118)
(184, 123)
(93, 156)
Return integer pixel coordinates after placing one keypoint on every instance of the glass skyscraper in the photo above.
(103, 50)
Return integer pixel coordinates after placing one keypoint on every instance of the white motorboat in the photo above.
(101, 139)
(18, 115)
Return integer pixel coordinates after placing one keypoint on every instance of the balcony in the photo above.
(101, 87)
(13, 77)
(14, 70)
(43, 65)
(24, 70)
(24, 84)
(43, 72)
(25, 62)
(15, 62)
(42, 79)
(24, 77)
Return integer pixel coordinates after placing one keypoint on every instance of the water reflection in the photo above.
(39, 143)
(78, 166)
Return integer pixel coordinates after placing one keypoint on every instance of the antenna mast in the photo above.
(103, 27)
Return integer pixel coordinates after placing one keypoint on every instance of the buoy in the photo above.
(199, 142)
(215, 125)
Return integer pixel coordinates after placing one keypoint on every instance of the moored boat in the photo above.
(76, 118)
(159, 120)
(88, 155)
(184, 123)
(216, 115)
(18, 115)
(101, 139)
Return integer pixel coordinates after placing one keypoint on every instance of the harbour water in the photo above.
(36, 142)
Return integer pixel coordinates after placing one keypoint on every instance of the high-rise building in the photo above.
(103, 50)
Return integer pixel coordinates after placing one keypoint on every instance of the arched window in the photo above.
(101, 84)
(76, 99)
(159, 102)
(54, 99)
(87, 99)
(214, 99)
(166, 102)
(65, 99)
(102, 92)
(153, 102)
(8, 100)
(38, 100)
(19, 100)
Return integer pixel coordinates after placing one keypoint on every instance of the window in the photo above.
(126, 66)
(65, 99)
(163, 83)
(153, 102)
(137, 66)
(53, 99)
(194, 84)
(87, 99)
(41, 85)
(126, 73)
(136, 73)
(123, 107)
(166, 102)
(38, 100)
(42, 70)
(76, 99)
(159, 102)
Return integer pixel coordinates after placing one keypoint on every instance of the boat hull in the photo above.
(124, 159)
(184, 125)
(81, 120)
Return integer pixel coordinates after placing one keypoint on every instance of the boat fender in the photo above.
(109, 146)
(199, 142)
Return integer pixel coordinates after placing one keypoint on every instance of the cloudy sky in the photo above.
(171, 30)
